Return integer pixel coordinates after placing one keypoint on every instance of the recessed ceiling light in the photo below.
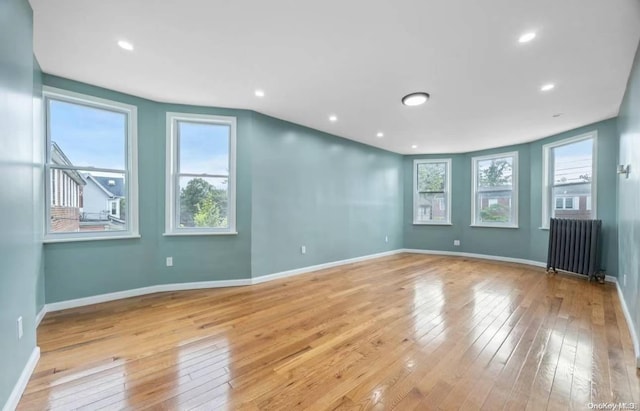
(527, 37)
(547, 87)
(333, 118)
(414, 146)
(380, 135)
(125, 45)
(415, 99)
(259, 93)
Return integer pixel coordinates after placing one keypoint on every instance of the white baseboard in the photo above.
(136, 292)
(40, 315)
(607, 278)
(21, 384)
(311, 268)
(630, 325)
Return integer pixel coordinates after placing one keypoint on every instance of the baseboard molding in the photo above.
(40, 315)
(21, 384)
(630, 325)
(312, 268)
(102, 298)
(608, 278)
(136, 292)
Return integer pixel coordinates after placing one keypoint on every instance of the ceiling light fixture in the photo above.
(333, 118)
(415, 99)
(259, 93)
(414, 146)
(380, 135)
(557, 115)
(547, 87)
(125, 45)
(527, 37)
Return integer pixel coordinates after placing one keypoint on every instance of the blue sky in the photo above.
(204, 148)
(88, 136)
(95, 137)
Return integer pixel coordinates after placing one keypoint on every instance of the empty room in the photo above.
(305, 205)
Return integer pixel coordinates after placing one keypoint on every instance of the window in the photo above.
(91, 142)
(432, 191)
(569, 179)
(201, 174)
(495, 190)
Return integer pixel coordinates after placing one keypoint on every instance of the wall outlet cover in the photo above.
(169, 261)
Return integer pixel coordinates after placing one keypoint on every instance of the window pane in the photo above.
(86, 136)
(576, 199)
(494, 207)
(85, 201)
(431, 207)
(572, 180)
(495, 173)
(204, 148)
(203, 202)
(431, 177)
(573, 163)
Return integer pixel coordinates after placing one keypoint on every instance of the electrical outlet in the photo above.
(456, 243)
(386, 238)
(169, 261)
(624, 280)
(303, 249)
(20, 330)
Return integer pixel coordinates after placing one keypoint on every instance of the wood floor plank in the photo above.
(400, 332)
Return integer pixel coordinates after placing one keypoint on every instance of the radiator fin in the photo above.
(574, 246)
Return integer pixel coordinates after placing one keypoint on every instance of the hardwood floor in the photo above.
(402, 332)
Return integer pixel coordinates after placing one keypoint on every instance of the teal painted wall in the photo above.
(528, 241)
(20, 241)
(629, 193)
(351, 188)
(337, 197)
(81, 269)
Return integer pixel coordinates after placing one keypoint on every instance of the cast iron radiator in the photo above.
(574, 246)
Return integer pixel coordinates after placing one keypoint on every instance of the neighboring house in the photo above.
(66, 194)
(573, 201)
(434, 210)
(102, 203)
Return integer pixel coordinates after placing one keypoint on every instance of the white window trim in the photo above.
(514, 189)
(546, 177)
(172, 168)
(417, 162)
(131, 173)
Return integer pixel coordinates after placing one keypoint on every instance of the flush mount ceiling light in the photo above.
(527, 37)
(259, 93)
(125, 45)
(415, 99)
(380, 134)
(333, 118)
(414, 146)
(548, 87)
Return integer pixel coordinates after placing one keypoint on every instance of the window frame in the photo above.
(172, 174)
(514, 189)
(547, 186)
(447, 192)
(130, 172)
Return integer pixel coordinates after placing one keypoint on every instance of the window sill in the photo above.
(50, 240)
(543, 228)
(494, 226)
(188, 234)
(423, 223)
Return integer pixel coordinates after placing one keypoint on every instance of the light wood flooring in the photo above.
(402, 332)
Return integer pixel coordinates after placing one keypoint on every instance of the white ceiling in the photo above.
(356, 59)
